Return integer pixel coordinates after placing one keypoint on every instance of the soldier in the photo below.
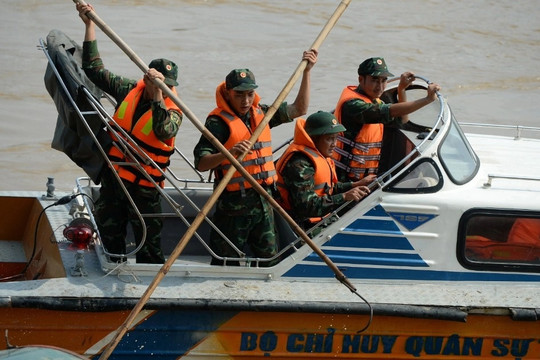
(361, 111)
(307, 178)
(139, 103)
(242, 214)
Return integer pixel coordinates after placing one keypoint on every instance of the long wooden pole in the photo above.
(221, 186)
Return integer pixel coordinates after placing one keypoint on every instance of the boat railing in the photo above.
(136, 155)
(518, 129)
(100, 111)
(491, 177)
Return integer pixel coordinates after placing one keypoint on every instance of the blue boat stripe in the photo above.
(377, 211)
(370, 258)
(370, 273)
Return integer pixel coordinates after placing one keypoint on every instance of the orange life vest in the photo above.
(259, 163)
(143, 135)
(325, 172)
(358, 157)
(525, 231)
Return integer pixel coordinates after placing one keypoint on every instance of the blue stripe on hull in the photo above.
(173, 332)
(377, 230)
(370, 258)
(322, 271)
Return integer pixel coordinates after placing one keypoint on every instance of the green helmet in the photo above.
(323, 123)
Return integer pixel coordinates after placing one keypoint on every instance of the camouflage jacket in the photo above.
(356, 112)
(298, 178)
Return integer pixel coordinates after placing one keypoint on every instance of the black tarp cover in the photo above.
(71, 135)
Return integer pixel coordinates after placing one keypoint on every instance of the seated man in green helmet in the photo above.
(307, 178)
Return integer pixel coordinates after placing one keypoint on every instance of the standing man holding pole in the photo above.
(243, 215)
(152, 120)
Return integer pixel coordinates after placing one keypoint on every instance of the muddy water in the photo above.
(485, 54)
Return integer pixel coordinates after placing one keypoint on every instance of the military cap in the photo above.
(375, 67)
(240, 80)
(167, 68)
(322, 123)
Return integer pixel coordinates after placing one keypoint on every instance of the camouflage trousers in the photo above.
(255, 229)
(113, 212)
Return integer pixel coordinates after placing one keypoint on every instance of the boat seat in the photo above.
(505, 251)
(481, 248)
(417, 183)
(174, 228)
(285, 232)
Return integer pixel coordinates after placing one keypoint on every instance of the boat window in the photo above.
(422, 177)
(500, 240)
(457, 155)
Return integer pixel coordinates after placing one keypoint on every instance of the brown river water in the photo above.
(484, 54)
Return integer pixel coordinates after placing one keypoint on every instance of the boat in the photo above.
(440, 261)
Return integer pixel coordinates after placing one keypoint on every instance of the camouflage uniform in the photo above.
(356, 112)
(298, 175)
(244, 219)
(113, 210)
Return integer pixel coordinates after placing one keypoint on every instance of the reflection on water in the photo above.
(484, 54)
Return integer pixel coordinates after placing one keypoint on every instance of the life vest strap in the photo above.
(256, 161)
(259, 176)
(364, 147)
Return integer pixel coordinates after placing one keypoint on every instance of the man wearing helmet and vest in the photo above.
(242, 214)
(307, 179)
(364, 115)
(152, 120)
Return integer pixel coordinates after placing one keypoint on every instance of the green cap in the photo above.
(375, 67)
(167, 68)
(240, 80)
(322, 123)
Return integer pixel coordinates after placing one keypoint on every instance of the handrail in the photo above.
(518, 128)
(130, 147)
(508, 177)
(94, 138)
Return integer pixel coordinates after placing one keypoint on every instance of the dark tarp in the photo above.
(70, 135)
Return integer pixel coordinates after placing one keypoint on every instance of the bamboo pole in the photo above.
(235, 162)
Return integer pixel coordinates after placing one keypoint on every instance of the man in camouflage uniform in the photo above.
(113, 210)
(306, 173)
(243, 215)
(360, 108)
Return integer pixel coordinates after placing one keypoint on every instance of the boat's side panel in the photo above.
(399, 242)
(77, 331)
(198, 334)
(14, 214)
(18, 219)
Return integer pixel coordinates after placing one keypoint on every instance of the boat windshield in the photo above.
(457, 156)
